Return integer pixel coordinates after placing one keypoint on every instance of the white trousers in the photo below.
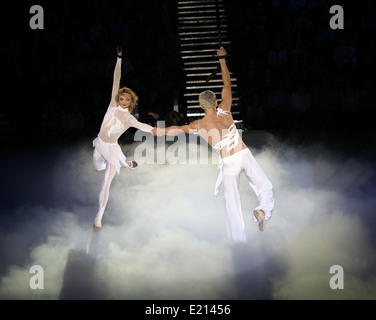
(108, 157)
(229, 176)
(104, 194)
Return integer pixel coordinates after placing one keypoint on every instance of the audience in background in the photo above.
(289, 63)
(328, 74)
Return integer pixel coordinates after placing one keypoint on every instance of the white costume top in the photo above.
(230, 141)
(231, 138)
(115, 122)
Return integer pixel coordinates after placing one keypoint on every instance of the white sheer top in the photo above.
(117, 120)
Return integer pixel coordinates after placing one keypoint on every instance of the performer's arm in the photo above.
(117, 76)
(139, 125)
(176, 130)
(226, 78)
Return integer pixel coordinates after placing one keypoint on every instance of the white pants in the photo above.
(230, 169)
(108, 157)
(104, 194)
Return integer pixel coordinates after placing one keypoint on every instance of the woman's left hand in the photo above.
(119, 51)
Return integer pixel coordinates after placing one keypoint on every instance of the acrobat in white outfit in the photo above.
(230, 168)
(108, 155)
(218, 129)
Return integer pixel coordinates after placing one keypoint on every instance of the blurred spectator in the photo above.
(151, 108)
(349, 99)
(256, 112)
(295, 5)
(278, 99)
(52, 123)
(285, 30)
(278, 105)
(161, 80)
(280, 40)
(301, 99)
(303, 23)
(294, 73)
(97, 32)
(315, 72)
(277, 55)
(369, 94)
(75, 122)
(173, 118)
(325, 103)
(344, 55)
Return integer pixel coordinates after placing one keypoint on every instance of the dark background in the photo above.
(56, 86)
(57, 81)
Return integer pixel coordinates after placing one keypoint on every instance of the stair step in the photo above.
(209, 11)
(190, 7)
(207, 56)
(204, 44)
(194, 17)
(194, 63)
(201, 114)
(201, 33)
(208, 87)
(213, 51)
(195, 101)
(215, 80)
(207, 68)
(202, 22)
(197, 108)
(217, 93)
(197, 2)
(200, 74)
(202, 27)
(203, 38)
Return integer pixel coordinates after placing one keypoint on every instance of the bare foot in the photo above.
(96, 228)
(260, 216)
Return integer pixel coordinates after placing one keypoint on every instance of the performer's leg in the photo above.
(98, 161)
(260, 184)
(234, 215)
(104, 194)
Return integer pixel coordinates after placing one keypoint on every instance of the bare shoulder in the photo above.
(225, 105)
(192, 126)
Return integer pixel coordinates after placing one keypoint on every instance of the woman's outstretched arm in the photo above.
(117, 76)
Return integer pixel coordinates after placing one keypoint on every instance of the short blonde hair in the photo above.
(207, 99)
(134, 97)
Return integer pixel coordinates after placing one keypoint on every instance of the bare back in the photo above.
(220, 131)
(217, 127)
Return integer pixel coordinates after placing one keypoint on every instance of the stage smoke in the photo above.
(164, 234)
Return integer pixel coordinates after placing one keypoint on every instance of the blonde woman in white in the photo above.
(108, 155)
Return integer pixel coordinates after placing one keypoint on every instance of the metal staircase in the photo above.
(203, 29)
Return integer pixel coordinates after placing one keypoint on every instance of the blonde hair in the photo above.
(134, 97)
(207, 99)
